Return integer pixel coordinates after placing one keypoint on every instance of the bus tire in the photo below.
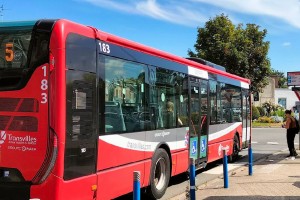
(160, 174)
(235, 150)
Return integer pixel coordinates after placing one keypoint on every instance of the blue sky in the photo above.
(171, 25)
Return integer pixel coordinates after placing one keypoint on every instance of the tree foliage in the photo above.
(261, 110)
(242, 51)
(282, 78)
(255, 113)
(270, 107)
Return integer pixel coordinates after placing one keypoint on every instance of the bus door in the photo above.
(246, 118)
(198, 121)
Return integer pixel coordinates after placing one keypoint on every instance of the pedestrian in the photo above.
(290, 126)
(170, 116)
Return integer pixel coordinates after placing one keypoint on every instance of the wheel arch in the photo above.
(239, 136)
(150, 192)
(233, 157)
(166, 147)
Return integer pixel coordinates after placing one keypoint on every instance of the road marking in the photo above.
(253, 142)
(273, 143)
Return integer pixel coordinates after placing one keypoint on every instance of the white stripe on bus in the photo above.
(197, 72)
(245, 85)
(139, 145)
(223, 132)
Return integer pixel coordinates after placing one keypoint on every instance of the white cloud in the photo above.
(114, 5)
(288, 10)
(178, 13)
(286, 44)
(195, 12)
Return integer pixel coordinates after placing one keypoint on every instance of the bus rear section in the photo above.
(27, 148)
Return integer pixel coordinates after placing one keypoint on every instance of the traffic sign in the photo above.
(203, 146)
(194, 148)
(293, 78)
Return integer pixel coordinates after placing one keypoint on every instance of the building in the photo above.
(285, 97)
(268, 93)
(282, 96)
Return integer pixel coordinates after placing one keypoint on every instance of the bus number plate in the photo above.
(104, 48)
(44, 85)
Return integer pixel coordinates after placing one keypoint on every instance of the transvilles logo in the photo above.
(2, 137)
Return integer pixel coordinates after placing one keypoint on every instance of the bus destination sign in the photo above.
(293, 78)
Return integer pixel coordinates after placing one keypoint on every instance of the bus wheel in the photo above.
(160, 174)
(235, 150)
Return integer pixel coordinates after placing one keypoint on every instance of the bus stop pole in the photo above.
(136, 185)
(192, 179)
(250, 160)
(298, 117)
(250, 156)
(225, 168)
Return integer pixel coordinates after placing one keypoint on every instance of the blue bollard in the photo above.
(192, 179)
(225, 168)
(250, 159)
(136, 185)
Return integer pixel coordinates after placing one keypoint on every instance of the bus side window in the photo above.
(125, 109)
(168, 98)
(231, 102)
(213, 101)
(114, 120)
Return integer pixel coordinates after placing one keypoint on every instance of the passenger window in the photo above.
(168, 98)
(231, 102)
(124, 97)
(213, 101)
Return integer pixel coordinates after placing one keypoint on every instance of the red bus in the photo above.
(81, 109)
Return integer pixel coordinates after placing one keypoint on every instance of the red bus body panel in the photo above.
(215, 146)
(25, 150)
(80, 188)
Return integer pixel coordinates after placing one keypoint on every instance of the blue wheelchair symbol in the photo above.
(203, 145)
(194, 147)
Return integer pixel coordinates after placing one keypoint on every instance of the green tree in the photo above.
(242, 51)
(261, 110)
(255, 113)
(282, 79)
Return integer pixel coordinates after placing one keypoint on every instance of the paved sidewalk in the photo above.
(274, 177)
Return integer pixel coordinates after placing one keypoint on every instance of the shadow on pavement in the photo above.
(252, 197)
(179, 179)
(296, 184)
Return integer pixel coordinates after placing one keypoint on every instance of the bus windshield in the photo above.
(20, 49)
(14, 44)
(25, 138)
